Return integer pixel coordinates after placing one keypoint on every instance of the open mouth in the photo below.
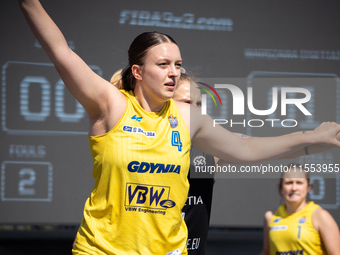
(170, 85)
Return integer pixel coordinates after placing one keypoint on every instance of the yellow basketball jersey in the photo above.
(140, 170)
(294, 233)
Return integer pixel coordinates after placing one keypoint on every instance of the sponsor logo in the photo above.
(302, 220)
(278, 228)
(173, 121)
(277, 220)
(175, 252)
(296, 252)
(147, 198)
(145, 167)
(199, 161)
(127, 129)
(139, 130)
(167, 203)
(134, 117)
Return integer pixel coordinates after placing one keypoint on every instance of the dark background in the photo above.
(44, 154)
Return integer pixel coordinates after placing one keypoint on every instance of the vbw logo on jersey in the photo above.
(149, 197)
(296, 252)
(173, 121)
(138, 119)
(167, 203)
(139, 130)
(145, 167)
(302, 220)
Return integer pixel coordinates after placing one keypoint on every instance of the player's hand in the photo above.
(328, 133)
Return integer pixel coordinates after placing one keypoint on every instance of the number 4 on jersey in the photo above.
(176, 140)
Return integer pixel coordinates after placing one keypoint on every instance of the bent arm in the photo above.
(86, 86)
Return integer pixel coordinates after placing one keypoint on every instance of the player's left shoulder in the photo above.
(321, 213)
(321, 218)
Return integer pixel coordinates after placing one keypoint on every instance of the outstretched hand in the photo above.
(328, 133)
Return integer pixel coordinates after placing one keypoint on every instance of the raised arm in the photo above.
(97, 95)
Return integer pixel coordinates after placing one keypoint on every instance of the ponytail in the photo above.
(127, 79)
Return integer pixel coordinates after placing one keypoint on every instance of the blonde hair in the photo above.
(186, 76)
(116, 79)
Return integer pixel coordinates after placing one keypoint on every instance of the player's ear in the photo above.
(137, 72)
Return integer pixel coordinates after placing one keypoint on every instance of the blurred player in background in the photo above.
(298, 226)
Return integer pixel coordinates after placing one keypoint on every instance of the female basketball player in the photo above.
(140, 143)
(298, 226)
